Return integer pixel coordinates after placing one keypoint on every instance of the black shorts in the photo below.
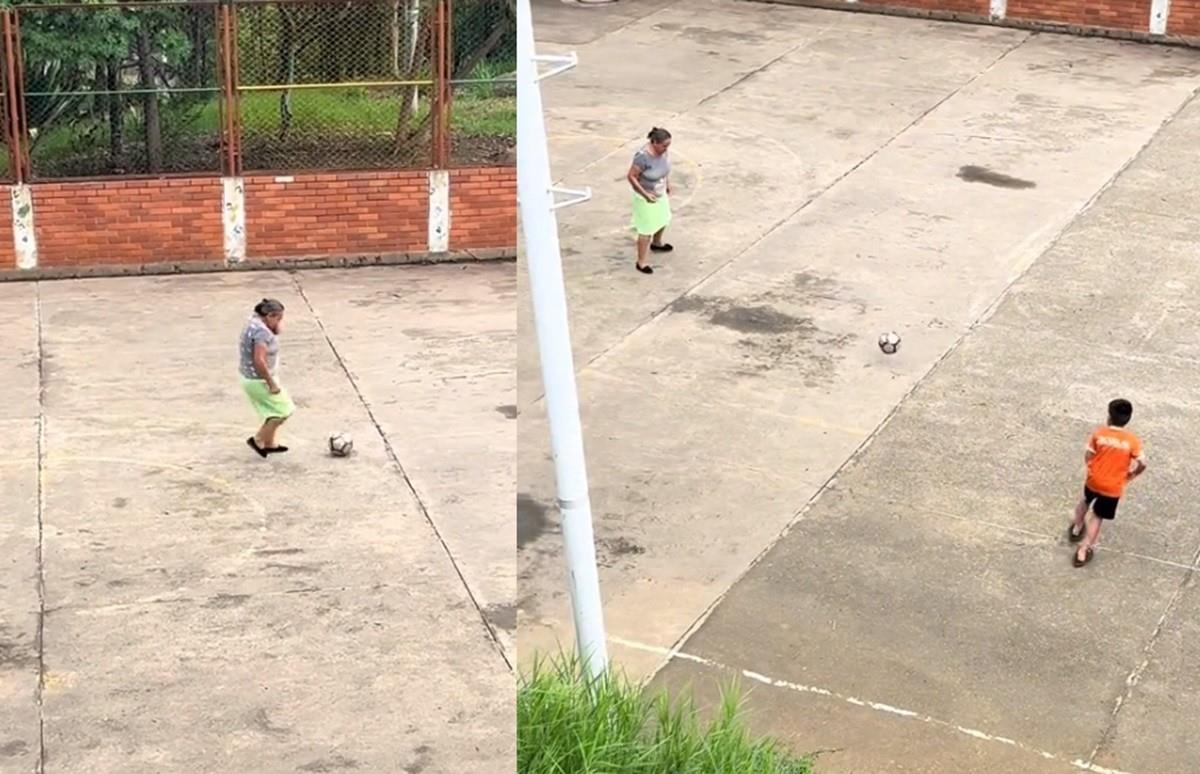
(1103, 506)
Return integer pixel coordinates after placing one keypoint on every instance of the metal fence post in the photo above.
(227, 40)
(14, 115)
(440, 105)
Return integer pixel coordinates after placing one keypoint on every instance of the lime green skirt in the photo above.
(268, 406)
(650, 218)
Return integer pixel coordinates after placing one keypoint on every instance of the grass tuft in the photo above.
(566, 725)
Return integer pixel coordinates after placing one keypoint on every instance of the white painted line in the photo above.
(997, 9)
(24, 236)
(233, 218)
(672, 653)
(1160, 10)
(439, 211)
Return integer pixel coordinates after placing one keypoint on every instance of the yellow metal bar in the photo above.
(338, 85)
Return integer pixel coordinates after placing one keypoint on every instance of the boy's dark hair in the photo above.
(1120, 411)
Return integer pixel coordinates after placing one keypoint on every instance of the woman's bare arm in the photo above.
(635, 172)
(260, 366)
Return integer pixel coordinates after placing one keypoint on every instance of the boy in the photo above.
(1114, 458)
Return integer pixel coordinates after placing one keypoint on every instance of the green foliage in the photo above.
(568, 725)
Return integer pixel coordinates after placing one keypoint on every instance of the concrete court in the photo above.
(207, 610)
(841, 175)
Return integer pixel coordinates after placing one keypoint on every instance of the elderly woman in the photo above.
(650, 177)
(258, 363)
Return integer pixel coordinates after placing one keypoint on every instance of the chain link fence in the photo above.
(148, 88)
(483, 63)
(113, 90)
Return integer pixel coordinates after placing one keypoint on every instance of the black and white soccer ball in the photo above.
(889, 342)
(340, 445)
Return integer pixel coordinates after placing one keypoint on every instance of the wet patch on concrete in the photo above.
(119, 583)
(706, 36)
(261, 721)
(743, 318)
(422, 759)
(502, 616)
(13, 749)
(976, 174)
(613, 550)
(222, 601)
(774, 339)
(508, 410)
(120, 502)
(332, 763)
(294, 569)
(533, 520)
(383, 296)
(1171, 73)
(278, 551)
(13, 652)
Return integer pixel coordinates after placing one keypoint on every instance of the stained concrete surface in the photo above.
(840, 175)
(207, 610)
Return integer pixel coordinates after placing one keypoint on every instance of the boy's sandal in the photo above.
(1072, 535)
(1087, 557)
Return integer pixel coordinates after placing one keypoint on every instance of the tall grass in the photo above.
(567, 726)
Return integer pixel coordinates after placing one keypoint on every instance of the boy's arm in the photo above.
(1139, 463)
(1089, 451)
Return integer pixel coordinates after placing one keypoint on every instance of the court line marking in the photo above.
(492, 632)
(41, 454)
(881, 707)
(688, 160)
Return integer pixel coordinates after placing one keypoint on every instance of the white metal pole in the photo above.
(540, 227)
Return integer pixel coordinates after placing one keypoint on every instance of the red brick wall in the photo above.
(1184, 18)
(483, 208)
(1133, 15)
(8, 255)
(177, 220)
(127, 221)
(1113, 18)
(338, 214)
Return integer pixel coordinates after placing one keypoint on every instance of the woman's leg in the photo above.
(643, 248)
(266, 434)
(658, 235)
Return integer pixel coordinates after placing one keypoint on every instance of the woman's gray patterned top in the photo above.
(654, 171)
(257, 332)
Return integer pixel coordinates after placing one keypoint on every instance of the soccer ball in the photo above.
(340, 445)
(889, 342)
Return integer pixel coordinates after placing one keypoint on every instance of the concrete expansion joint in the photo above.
(394, 458)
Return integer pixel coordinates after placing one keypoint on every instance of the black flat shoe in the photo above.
(644, 269)
(661, 248)
(275, 450)
(253, 444)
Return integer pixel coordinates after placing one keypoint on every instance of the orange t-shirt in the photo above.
(1114, 451)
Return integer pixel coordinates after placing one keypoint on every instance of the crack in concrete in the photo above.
(412, 490)
(1136, 675)
(41, 546)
